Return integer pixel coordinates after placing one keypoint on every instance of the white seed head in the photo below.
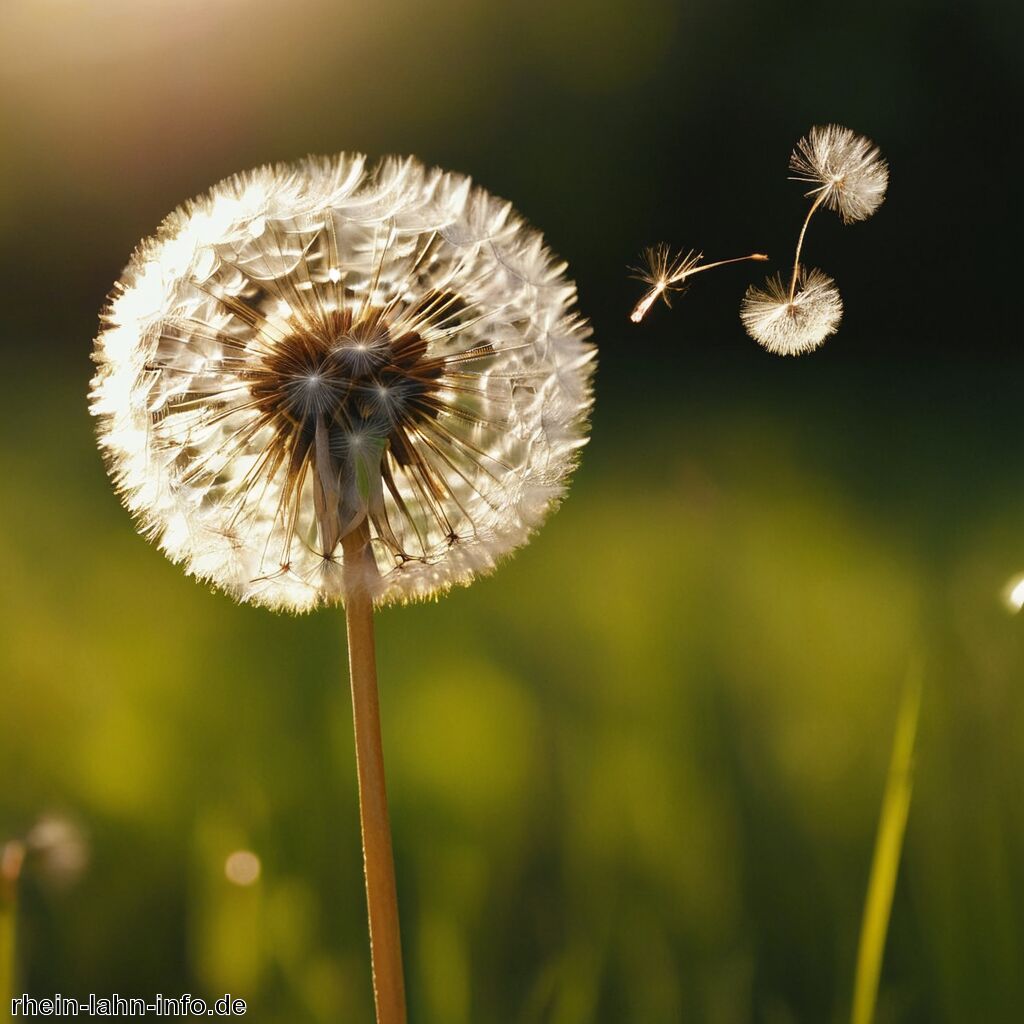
(845, 169)
(319, 348)
(788, 327)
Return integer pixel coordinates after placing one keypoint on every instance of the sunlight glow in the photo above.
(1013, 593)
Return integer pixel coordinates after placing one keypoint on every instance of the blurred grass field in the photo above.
(635, 775)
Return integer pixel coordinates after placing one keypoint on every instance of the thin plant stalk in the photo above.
(11, 856)
(888, 846)
(800, 244)
(8, 911)
(378, 859)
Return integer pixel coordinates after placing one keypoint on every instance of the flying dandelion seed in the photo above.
(326, 383)
(666, 273)
(315, 349)
(788, 325)
(845, 169)
(850, 177)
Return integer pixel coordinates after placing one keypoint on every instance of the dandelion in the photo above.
(847, 171)
(317, 352)
(666, 273)
(850, 177)
(788, 325)
(328, 383)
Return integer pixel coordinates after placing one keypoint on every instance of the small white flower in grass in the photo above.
(55, 847)
(324, 347)
(845, 170)
(61, 848)
(788, 325)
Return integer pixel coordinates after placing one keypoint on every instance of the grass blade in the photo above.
(888, 846)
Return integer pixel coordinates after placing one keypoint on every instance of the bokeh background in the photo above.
(635, 776)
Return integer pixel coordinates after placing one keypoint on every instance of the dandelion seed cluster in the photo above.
(325, 347)
(849, 176)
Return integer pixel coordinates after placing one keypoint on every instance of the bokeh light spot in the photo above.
(242, 868)
(1013, 593)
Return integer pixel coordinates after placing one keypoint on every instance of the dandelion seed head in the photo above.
(323, 347)
(789, 327)
(845, 169)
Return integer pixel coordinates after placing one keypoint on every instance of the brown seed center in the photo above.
(354, 378)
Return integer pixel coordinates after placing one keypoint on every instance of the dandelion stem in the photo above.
(892, 825)
(800, 244)
(378, 859)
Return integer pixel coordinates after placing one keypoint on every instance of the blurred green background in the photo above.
(635, 775)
